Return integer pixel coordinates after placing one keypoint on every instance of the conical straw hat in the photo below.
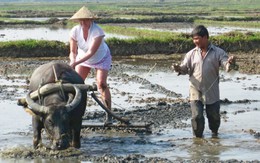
(84, 13)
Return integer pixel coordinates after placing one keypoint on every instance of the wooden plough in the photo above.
(54, 87)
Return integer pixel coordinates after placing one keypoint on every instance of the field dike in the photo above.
(119, 47)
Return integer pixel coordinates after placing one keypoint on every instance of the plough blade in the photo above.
(120, 125)
(126, 121)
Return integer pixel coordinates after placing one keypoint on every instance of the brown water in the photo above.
(235, 140)
(42, 33)
(62, 34)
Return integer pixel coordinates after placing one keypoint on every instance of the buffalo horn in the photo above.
(37, 108)
(75, 101)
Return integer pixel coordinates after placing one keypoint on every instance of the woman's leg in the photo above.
(82, 71)
(104, 90)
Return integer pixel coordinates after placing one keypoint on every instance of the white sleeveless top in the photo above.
(83, 45)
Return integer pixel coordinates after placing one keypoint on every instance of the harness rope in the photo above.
(60, 83)
(39, 95)
(150, 70)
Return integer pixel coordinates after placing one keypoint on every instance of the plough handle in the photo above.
(108, 110)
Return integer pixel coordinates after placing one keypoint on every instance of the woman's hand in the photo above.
(72, 61)
(73, 64)
(72, 57)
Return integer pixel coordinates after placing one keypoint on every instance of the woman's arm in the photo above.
(91, 51)
(73, 51)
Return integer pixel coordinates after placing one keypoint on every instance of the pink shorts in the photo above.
(104, 64)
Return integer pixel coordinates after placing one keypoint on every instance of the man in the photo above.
(202, 64)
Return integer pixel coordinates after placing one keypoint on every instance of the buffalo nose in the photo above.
(56, 145)
(59, 145)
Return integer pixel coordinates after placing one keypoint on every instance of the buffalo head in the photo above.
(55, 117)
(59, 111)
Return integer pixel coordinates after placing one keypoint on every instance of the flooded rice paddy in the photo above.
(62, 34)
(188, 27)
(42, 33)
(147, 86)
(239, 132)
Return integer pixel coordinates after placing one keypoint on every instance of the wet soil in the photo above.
(248, 63)
(160, 112)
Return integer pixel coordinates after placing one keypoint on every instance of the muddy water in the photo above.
(42, 33)
(38, 19)
(237, 139)
(213, 30)
(187, 27)
(62, 34)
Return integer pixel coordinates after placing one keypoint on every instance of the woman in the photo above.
(89, 50)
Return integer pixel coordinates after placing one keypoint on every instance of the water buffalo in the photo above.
(60, 112)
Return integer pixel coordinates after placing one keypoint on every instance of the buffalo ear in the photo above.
(30, 111)
(70, 98)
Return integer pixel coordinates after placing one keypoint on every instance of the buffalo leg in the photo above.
(37, 127)
(76, 138)
(76, 133)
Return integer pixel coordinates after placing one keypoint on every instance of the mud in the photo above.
(173, 110)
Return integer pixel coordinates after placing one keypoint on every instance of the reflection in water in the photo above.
(39, 160)
(213, 30)
(13, 34)
(38, 19)
(205, 148)
(62, 34)
(235, 142)
(188, 27)
(59, 34)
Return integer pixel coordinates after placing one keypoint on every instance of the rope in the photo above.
(39, 95)
(148, 73)
(60, 82)
(135, 91)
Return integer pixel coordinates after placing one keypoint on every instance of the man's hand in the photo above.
(231, 60)
(231, 65)
(176, 68)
